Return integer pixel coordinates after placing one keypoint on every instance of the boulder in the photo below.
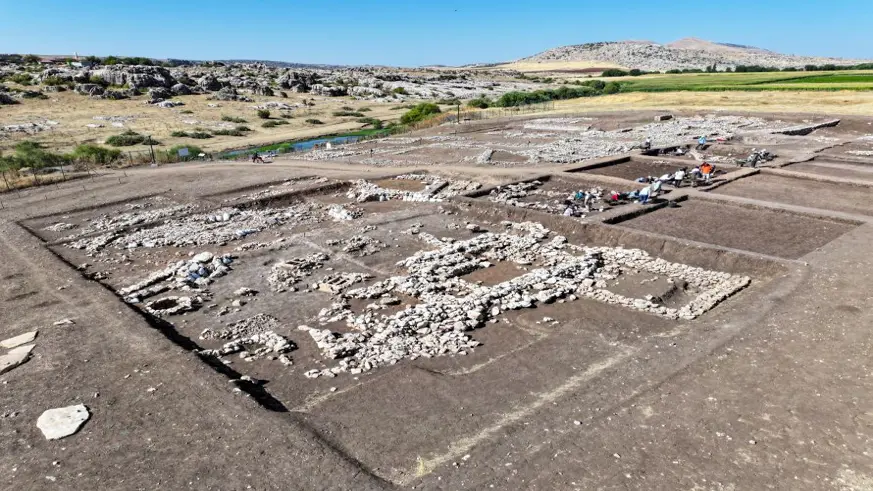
(210, 83)
(182, 89)
(158, 94)
(89, 89)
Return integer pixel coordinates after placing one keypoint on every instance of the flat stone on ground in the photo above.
(18, 340)
(63, 421)
(15, 357)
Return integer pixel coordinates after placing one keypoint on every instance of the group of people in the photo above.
(703, 172)
(580, 202)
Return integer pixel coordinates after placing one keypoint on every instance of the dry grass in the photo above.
(844, 102)
(74, 112)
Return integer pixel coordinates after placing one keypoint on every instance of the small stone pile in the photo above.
(358, 245)
(284, 275)
(258, 332)
(192, 275)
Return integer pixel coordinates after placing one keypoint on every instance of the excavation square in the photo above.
(808, 193)
(834, 168)
(761, 230)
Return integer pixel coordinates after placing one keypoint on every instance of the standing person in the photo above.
(701, 142)
(647, 145)
(706, 170)
(678, 177)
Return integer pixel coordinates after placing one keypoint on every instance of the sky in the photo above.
(417, 32)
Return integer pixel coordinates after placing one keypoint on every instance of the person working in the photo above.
(706, 170)
(678, 177)
(701, 143)
(644, 195)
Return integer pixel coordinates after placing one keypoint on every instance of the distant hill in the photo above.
(684, 53)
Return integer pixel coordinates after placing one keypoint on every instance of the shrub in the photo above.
(314, 121)
(614, 72)
(449, 102)
(94, 79)
(55, 81)
(193, 151)
(264, 113)
(512, 99)
(340, 114)
(636, 72)
(612, 88)
(243, 128)
(127, 139)
(20, 78)
(479, 103)
(230, 132)
(231, 119)
(283, 94)
(197, 135)
(32, 155)
(420, 112)
(186, 111)
(95, 154)
(273, 123)
(399, 90)
(376, 123)
(364, 110)
(347, 108)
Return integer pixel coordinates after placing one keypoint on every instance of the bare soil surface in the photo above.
(802, 192)
(845, 170)
(750, 229)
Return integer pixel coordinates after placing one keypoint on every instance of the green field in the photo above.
(841, 80)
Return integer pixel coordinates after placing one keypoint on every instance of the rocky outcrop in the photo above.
(89, 89)
(182, 89)
(140, 76)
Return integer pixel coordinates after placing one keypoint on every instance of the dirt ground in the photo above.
(770, 389)
(803, 192)
(757, 230)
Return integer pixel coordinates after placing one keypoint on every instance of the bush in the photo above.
(198, 135)
(354, 114)
(636, 72)
(273, 123)
(614, 72)
(399, 90)
(20, 78)
(94, 79)
(231, 119)
(127, 139)
(347, 108)
(479, 103)
(233, 132)
(186, 111)
(612, 88)
(314, 121)
(420, 112)
(29, 154)
(449, 102)
(264, 113)
(364, 110)
(54, 81)
(95, 154)
(512, 99)
(193, 151)
(243, 128)
(375, 123)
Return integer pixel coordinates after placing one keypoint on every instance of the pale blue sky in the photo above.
(414, 32)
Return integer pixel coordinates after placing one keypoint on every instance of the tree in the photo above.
(612, 88)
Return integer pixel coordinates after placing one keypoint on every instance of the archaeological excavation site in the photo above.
(536, 302)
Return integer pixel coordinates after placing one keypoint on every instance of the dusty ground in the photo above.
(768, 390)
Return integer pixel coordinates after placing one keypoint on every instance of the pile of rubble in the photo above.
(450, 306)
(284, 275)
(218, 227)
(436, 189)
(358, 245)
(140, 214)
(258, 332)
(192, 276)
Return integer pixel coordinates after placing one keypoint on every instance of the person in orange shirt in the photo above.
(706, 170)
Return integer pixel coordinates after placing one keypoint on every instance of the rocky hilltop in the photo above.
(686, 53)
